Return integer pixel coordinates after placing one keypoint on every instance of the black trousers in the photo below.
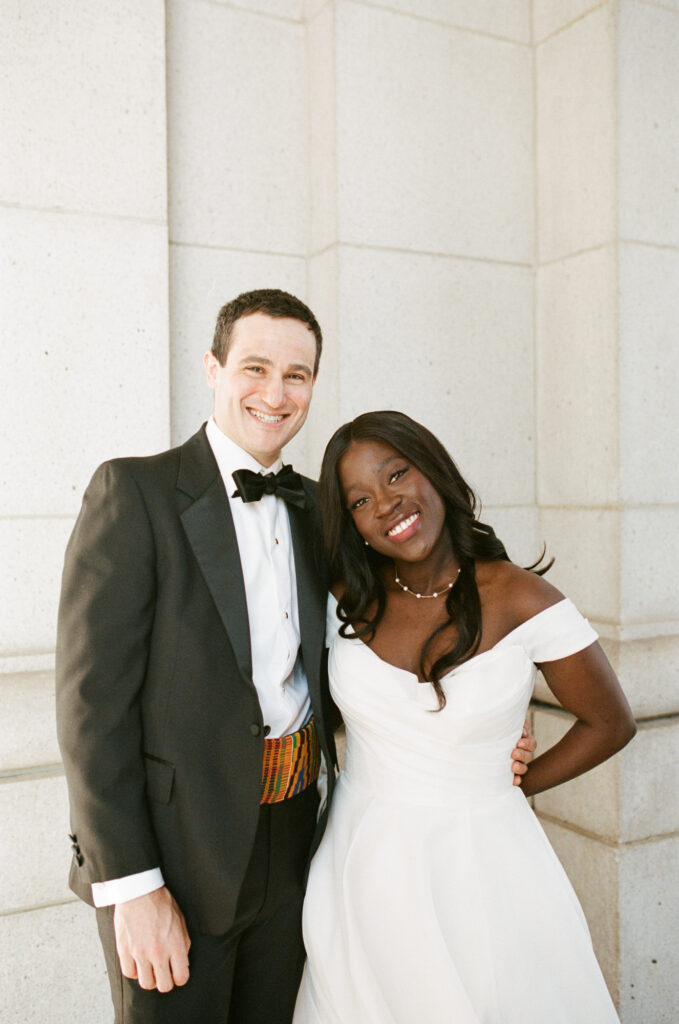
(251, 974)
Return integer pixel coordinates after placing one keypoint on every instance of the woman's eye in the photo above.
(398, 473)
(357, 504)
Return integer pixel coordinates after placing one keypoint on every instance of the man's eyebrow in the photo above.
(263, 361)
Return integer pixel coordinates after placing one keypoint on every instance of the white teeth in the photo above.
(263, 418)
(403, 525)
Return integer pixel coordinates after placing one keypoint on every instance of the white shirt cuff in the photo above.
(120, 890)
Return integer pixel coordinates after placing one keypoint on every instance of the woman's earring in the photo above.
(366, 543)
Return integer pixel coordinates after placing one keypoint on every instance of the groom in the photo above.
(192, 709)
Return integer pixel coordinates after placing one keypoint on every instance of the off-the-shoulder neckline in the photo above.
(470, 661)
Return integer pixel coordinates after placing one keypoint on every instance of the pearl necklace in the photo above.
(437, 593)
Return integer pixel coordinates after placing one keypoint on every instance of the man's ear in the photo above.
(211, 364)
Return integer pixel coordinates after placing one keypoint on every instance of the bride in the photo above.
(435, 896)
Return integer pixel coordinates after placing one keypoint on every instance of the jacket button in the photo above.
(255, 729)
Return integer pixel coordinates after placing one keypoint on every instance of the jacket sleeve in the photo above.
(103, 635)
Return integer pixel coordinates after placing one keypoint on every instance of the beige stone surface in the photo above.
(85, 365)
(35, 851)
(321, 43)
(585, 544)
(419, 334)
(83, 106)
(52, 968)
(292, 10)
(648, 43)
(577, 380)
(505, 18)
(202, 279)
(618, 800)
(649, 932)
(552, 15)
(31, 561)
(238, 129)
(649, 369)
(575, 124)
(28, 734)
(324, 417)
(649, 564)
(434, 136)
(649, 673)
(517, 528)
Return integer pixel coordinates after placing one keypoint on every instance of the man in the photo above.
(191, 708)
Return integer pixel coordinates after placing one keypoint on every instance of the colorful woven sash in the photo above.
(291, 763)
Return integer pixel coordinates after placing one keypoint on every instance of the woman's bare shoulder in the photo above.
(519, 592)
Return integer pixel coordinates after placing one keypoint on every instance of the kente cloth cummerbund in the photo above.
(291, 763)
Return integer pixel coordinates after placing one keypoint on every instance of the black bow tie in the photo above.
(285, 484)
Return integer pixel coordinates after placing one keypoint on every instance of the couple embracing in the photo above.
(196, 723)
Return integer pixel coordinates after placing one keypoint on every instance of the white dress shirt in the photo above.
(268, 566)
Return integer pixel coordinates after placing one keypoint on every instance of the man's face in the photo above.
(263, 391)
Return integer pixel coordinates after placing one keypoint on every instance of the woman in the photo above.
(435, 895)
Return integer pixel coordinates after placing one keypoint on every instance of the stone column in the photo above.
(607, 80)
(85, 377)
(422, 232)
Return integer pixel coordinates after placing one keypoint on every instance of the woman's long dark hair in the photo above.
(358, 567)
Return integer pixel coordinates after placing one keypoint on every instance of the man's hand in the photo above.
(523, 752)
(152, 940)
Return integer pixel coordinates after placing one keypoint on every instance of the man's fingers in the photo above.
(127, 964)
(145, 975)
(518, 768)
(179, 965)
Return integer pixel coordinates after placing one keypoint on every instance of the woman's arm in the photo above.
(586, 685)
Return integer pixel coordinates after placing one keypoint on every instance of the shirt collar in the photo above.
(230, 457)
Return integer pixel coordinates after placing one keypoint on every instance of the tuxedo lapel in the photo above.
(311, 597)
(208, 524)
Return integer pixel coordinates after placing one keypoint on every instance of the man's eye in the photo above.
(255, 369)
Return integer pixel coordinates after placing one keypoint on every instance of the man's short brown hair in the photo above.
(272, 302)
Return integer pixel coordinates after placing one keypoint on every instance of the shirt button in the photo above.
(276, 540)
(285, 615)
(267, 730)
(255, 729)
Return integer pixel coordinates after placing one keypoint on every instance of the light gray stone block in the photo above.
(52, 968)
(585, 544)
(201, 281)
(83, 106)
(551, 15)
(434, 137)
(31, 561)
(419, 334)
(577, 380)
(576, 117)
(649, 932)
(648, 43)
(238, 129)
(321, 49)
(86, 359)
(35, 851)
(28, 735)
(649, 565)
(507, 18)
(649, 369)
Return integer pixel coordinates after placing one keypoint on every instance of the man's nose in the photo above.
(274, 393)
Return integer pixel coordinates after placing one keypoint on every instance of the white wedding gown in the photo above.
(435, 896)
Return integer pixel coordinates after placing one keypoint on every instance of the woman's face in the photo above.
(394, 506)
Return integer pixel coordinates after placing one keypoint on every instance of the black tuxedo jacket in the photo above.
(158, 719)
